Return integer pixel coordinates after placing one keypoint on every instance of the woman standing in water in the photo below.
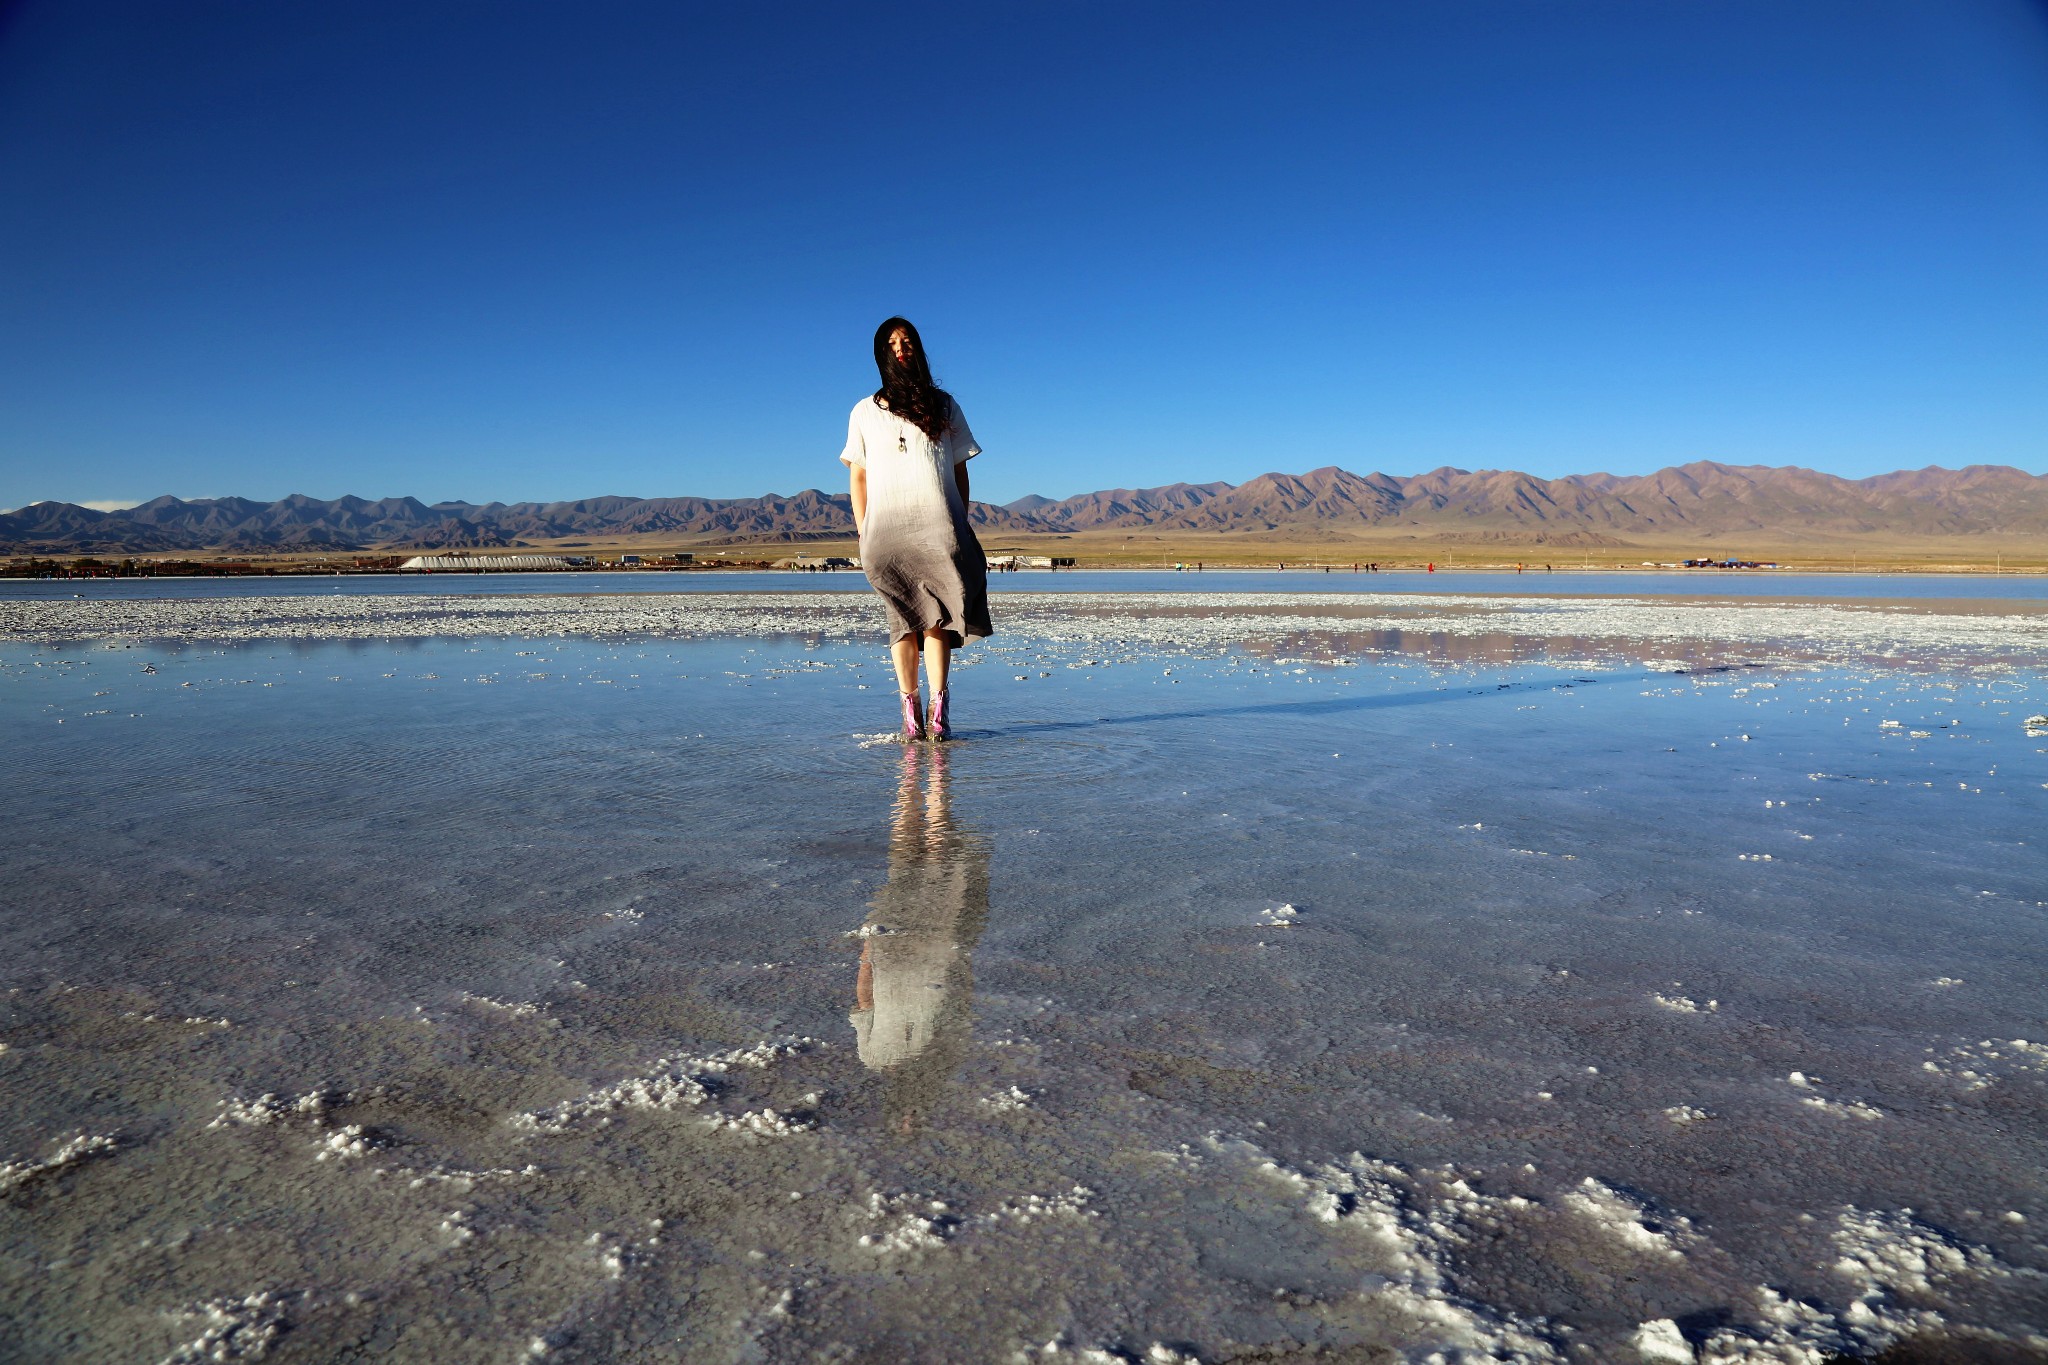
(907, 448)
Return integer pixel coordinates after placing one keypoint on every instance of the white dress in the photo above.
(917, 547)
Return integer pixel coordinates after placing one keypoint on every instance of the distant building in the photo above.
(486, 563)
(1029, 562)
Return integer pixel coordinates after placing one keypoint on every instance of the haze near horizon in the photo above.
(528, 254)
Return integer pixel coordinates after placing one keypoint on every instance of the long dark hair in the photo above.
(907, 390)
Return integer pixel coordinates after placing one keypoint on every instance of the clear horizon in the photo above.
(526, 253)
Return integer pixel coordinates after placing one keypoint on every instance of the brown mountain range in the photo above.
(1702, 500)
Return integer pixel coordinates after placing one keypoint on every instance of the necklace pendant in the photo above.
(900, 444)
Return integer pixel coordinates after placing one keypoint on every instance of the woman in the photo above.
(907, 448)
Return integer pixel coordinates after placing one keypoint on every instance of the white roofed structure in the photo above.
(480, 563)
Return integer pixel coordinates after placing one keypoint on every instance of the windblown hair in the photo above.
(908, 390)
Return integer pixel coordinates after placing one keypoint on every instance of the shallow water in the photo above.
(1549, 998)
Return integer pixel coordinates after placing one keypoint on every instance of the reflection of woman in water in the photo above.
(911, 1001)
(907, 448)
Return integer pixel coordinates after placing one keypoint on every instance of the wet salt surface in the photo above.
(1245, 981)
(2016, 632)
(1569, 582)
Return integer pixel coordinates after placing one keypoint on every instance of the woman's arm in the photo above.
(960, 477)
(858, 489)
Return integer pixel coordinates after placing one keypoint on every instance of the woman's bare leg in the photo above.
(938, 653)
(903, 653)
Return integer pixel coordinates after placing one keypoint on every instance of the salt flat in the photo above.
(1182, 620)
(593, 978)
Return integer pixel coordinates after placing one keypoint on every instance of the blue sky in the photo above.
(513, 250)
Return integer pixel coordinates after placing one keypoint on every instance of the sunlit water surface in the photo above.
(485, 999)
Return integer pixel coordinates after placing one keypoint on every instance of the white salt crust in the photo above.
(672, 1083)
(267, 1109)
(1982, 1064)
(1415, 1219)
(15, 1174)
(1632, 1221)
(234, 1329)
(1006, 1101)
(1855, 1109)
(1057, 1350)
(1193, 620)
(346, 1143)
(1882, 1255)
(1421, 1218)
(762, 1123)
(915, 1222)
(517, 1008)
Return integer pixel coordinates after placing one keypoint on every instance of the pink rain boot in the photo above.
(942, 715)
(913, 718)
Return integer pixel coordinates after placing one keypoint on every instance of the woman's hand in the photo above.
(858, 490)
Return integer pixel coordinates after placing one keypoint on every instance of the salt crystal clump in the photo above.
(914, 1223)
(1893, 1252)
(1279, 917)
(1881, 1256)
(1979, 1065)
(1057, 1350)
(347, 1143)
(521, 1008)
(1684, 1005)
(267, 1108)
(612, 1257)
(1414, 1220)
(1844, 1108)
(1032, 1207)
(15, 1174)
(1006, 1101)
(419, 1179)
(1632, 1221)
(670, 1083)
(235, 1329)
(1661, 1343)
(1685, 1113)
(762, 1123)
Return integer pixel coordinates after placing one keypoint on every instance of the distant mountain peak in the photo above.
(1702, 498)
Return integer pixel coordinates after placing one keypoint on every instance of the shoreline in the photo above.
(247, 569)
(2002, 635)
